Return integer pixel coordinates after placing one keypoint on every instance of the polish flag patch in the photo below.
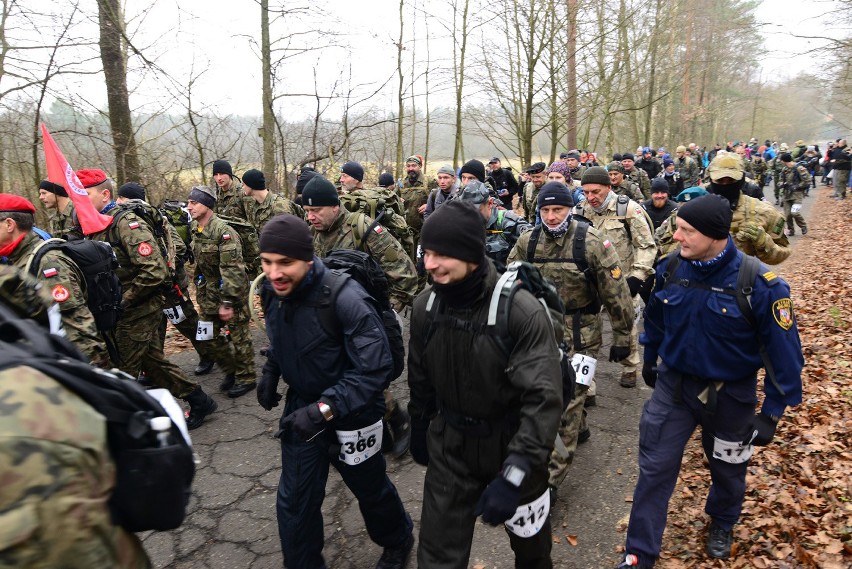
(134, 225)
(607, 244)
(379, 229)
(145, 249)
(226, 236)
(60, 293)
(51, 272)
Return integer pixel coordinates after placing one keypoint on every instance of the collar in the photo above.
(7, 251)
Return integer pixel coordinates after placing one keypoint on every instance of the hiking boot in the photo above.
(228, 382)
(264, 351)
(804, 231)
(590, 401)
(584, 436)
(200, 405)
(631, 560)
(240, 389)
(396, 557)
(719, 542)
(204, 367)
(628, 379)
(400, 426)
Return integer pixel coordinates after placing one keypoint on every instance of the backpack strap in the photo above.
(621, 211)
(533, 243)
(39, 252)
(333, 282)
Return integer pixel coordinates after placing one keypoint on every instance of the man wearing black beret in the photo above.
(53, 196)
(536, 175)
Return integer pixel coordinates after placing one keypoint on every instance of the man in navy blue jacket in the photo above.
(334, 407)
(709, 354)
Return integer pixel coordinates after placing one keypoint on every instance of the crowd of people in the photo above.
(500, 386)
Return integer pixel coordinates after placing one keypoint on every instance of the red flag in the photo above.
(60, 172)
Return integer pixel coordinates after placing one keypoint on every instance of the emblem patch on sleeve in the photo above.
(226, 236)
(607, 244)
(60, 293)
(145, 249)
(782, 310)
(51, 272)
(378, 229)
(615, 272)
(133, 225)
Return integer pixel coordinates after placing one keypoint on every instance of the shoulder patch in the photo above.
(226, 236)
(60, 293)
(133, 224)
(782, 311)
(145, 249)
(378, 229)
(615, 272)
(607, 244)
(770, 278)
(51, 272)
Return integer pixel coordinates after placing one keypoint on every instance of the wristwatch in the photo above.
(325, 410)
(514, 475)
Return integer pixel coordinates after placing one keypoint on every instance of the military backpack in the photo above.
(249, 241)
(157, 222)
(383, 208)
(175, 212)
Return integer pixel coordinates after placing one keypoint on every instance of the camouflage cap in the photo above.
(727, 165)
(615, 167)
(475, 192)
(800, 142)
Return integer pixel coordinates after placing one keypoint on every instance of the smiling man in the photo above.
(334, 398)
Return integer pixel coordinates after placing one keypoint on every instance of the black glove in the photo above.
(618, 353)
(634, 284)
(306, 422)
(418, 449)
(267, 389)
(763, 430)
(649, 374)
(501, 498)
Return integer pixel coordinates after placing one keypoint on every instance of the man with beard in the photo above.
(414, 193)
(660, 206)
(649, 164)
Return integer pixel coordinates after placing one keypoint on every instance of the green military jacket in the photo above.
(640, 177)
(688, 170)
(629, 189)
(529, 203)
(413, 196)
(230, 202)
(795, 183)
(748, 210)
(220, 274)
(351, 231)
(554, 258)
(259, 213)
(637, 251)
(62, 222)
(62, 278)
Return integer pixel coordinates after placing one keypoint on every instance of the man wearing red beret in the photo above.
(59, 274)
(144, 274)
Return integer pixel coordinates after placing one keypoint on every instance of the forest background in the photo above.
(156, 91)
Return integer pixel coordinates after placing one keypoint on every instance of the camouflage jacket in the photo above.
(62, 278)
(350, 231)
(62, 222)
(230, 202)
(553, 257)
(58, 477)
(629, 189)
(529, 201)
(638, 251)
(258, 213)
(688, 170)
(413, 196)
(220, 274)
(749, 210)
(640, 177)
(795, 182)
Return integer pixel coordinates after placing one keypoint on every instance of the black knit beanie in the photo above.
(319, 192)
(132, 190)
(203, 195)
(595, 175)
(53, 188)
(710, 215)
(457, 230)
(386, 179)
(555, 193)
(353, 169)
(222, 167)
(303, 180)
(287, 235)
(254, 179)
(474, 167)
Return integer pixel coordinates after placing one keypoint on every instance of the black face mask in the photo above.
(730, 192)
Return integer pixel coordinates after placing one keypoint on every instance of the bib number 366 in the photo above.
(357, 446)
(530, 518)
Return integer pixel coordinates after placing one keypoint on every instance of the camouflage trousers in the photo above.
(188, 326)
(573, 419)
(794, 198)
(140, 349)
(231, 346)
(841, 181)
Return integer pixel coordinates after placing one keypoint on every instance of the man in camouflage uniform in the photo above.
(59, 275)
(529, 202)
(229, 191)
(414, 193)
(795, 181)
(620, 184)
(54, 197)
(759, 168)
(144, 276)
(632, 236)
(636, 175)
(777, 166)
(221, 288)
(572, 159)
(58, 472)
(757, 228)
(687, 168)
(739, 150)
(502, 227)
(550, 248)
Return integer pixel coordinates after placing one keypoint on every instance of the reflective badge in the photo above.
(204, 331)
(530, 518)
(357, 446)
(607, 244)
(615, 272)
(60, 293)
(51, 272)
(226, 236)
(732, 452)
(782, 310)
(174, 314)
(133, 225)
(584, 368)
(145, 249)
(379, 229)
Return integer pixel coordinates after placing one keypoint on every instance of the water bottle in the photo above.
(162, 426)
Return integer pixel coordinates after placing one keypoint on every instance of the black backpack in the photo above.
(152, 481)
(97, 261)
(366, 271)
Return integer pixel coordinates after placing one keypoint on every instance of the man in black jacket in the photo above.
(334, 407)
(484, 421)
(840, 162)
(505, 183)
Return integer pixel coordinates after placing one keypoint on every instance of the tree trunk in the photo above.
(111, 22)
(571, 73)
(401, 103)
(458, 148)
(268, 132)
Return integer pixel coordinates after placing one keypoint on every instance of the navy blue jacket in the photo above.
(704, 333)
(348, 371)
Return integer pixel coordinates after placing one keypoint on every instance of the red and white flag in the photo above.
(60, 172)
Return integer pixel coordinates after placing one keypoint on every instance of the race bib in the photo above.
(584, 368)
(357, 446)
(732, 452)
(204, 331)
(530, 518)
(175, 314)
(796, 208)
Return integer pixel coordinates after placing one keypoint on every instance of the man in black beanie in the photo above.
(476, 416)
(699, 300)
(334, 399)
(229, 190)
(351, 176)
(130, 191)
(263, 206)
(470, 171)
(54, 196)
